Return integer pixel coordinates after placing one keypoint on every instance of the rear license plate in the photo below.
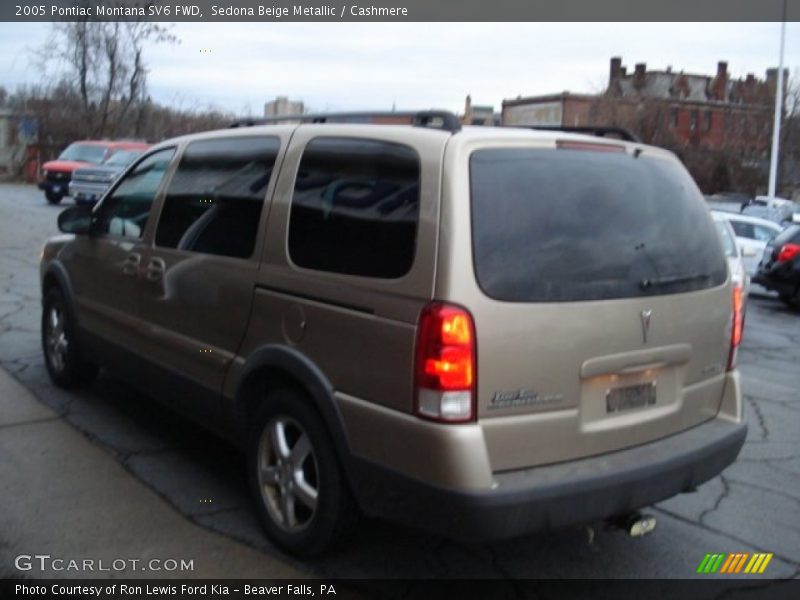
(632, 396)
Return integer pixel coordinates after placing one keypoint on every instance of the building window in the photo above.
(693, 120)
(673, 117)
(707, 120)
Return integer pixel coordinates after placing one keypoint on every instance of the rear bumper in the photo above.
(559, 495)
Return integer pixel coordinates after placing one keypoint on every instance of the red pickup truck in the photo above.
(56, 174)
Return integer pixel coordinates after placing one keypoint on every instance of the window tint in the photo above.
(355, 208)
(763, 234)
(126, 209)
(743, 229)
(92, 153)
(214, 201)
(564, 225)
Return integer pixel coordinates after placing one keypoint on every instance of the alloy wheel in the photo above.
(56, 339)
(288, 474)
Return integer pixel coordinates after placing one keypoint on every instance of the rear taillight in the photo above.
(737, 325)
(445, 364)
(788, 252)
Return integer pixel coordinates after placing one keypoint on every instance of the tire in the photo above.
(65, 365)
(791, 300)
(53, 198)
(300, 491)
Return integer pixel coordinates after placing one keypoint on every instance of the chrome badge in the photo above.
(522, 397)
(645, 315)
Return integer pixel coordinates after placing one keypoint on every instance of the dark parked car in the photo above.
(89, 183)
(779, 269)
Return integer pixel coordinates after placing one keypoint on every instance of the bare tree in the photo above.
(104, 62)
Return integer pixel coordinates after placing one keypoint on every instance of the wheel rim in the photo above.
(288, 476)
(56, 338)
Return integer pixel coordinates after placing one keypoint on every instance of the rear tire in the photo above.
(52, 197)
(792, 301)
(65, 364)
(301, 493)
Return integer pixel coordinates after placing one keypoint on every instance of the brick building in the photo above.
(714, 111)
(479, 114)
(553, 110)
(704, 110)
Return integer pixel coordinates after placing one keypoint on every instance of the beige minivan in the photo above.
(481, 332)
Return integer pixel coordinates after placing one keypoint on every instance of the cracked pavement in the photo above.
(753, 507)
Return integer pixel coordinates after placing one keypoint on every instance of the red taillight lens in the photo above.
(445, 364)
(737, 325)
(788, 252)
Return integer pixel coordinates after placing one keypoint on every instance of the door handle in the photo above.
(130, 266)
(155, 269)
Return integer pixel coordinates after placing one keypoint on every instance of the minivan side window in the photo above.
(214, 201)
(355, 208)
(124, 212)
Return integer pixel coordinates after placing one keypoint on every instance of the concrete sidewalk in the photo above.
(49, 506)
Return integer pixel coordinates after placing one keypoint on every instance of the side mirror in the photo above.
(76, 219)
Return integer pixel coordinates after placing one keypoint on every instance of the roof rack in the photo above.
(435, 119)
(599, 131)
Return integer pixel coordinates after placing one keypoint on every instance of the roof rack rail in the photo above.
(599, 131)
(435, 119)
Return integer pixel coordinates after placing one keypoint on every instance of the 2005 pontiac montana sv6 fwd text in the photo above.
(482, 332)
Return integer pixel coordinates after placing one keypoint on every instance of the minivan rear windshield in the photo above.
(566, 225)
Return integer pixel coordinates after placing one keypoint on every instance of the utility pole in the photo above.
(776, 127)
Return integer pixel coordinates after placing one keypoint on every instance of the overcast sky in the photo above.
(340, 66)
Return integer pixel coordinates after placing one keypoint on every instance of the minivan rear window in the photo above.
(568, 225)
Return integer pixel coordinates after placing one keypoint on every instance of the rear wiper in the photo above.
(661, 281)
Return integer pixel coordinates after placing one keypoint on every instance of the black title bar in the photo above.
(399, 10)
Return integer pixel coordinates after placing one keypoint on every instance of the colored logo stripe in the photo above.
(758, 563)
(734, 563)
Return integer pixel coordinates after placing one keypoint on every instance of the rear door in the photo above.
(198, 276)
(602, 314)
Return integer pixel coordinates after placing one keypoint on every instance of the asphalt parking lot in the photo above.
(754, 506)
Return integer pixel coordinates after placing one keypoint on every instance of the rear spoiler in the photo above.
(619, 133)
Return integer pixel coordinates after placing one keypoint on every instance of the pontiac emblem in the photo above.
(645, 315)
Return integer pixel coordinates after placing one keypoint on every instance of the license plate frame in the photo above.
(630, 397)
